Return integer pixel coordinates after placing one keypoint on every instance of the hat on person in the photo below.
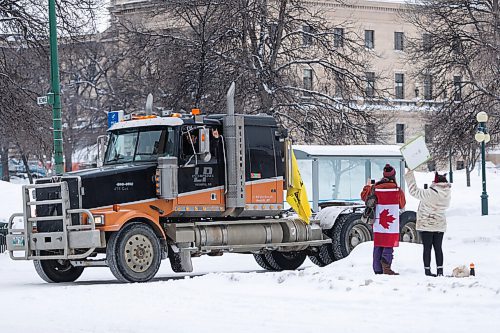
(389, 171)
(440, 178)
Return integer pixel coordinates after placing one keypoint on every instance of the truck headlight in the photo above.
(99, 219)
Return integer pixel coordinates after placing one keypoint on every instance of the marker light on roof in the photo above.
(134, 117)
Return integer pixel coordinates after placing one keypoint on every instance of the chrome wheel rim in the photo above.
(409, 233)
(138, 253)
(358, 234)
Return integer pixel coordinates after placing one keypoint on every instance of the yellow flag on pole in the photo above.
(296, 195)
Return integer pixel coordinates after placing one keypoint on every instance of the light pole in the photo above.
(56, 90)
(451, 168)
(483, 137)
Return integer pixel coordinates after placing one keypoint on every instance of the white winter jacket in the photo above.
(433, 203)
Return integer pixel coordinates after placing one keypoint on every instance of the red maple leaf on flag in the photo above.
(386, 219)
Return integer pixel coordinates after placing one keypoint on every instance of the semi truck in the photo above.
(172, 186)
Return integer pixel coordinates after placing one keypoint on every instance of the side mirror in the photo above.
(102, 142)
(204, 144)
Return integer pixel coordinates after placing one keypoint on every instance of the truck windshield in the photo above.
(139, 145)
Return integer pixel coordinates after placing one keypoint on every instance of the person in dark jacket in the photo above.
(384, 243)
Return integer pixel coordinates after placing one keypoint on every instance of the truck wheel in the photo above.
(324, 256)
(280, 261)
(55, 271)
(178, 265)
(261, 260)
(348, 233)
(408, 227)
(315, 259)
(133, 253)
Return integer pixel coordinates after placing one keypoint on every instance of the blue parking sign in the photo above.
(114, 117)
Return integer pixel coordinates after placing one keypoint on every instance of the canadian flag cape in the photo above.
(386, 225)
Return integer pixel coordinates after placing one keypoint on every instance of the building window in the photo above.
(307, 38)
(427, 42)
(427, 87)
(370, 84)
(308, 81)
(456, 44)
(370, 133)
(398, 41)
(400, 133)
(340, 85)
(338, 37)
(428, 133)
(309, 128)
(369, 39)
(457, 88)
(400, 85)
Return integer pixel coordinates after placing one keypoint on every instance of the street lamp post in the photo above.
(56, 90)
(451, 167)
(483, 137)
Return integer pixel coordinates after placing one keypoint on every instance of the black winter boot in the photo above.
(428, 271)
(440, 271)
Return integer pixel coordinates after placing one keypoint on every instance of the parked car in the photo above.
(17, 168)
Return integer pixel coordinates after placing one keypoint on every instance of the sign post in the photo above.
(56, 90)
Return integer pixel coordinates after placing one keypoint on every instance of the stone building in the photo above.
(380, 26)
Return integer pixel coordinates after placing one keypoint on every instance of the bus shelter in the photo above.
(338, 173)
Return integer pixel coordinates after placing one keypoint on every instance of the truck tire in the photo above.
(177, 265)
(262, 262)
(280, 261)
(408, 227)
(324, 256)
(134, 253)
(347, 233)
(315, 259)
(55, 271)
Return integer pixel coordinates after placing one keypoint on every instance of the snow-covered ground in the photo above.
(232, 293)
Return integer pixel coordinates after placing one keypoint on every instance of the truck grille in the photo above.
(52, 193)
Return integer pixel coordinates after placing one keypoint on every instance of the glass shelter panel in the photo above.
(341, 179)
(305, 169)
(378, 166)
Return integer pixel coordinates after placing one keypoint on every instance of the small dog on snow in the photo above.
(461, 271)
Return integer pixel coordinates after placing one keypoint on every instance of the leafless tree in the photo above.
(88, 90)
(24, 68)
(458, 51)
(267, 47)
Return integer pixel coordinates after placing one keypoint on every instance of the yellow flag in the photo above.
(296, 195)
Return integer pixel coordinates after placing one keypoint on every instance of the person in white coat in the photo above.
(431, 217)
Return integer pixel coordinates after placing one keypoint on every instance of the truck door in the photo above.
(200, 180)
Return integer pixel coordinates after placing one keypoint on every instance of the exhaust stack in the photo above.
(234, 133)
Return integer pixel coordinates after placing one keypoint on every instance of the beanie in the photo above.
(440, 178)
(389, 171)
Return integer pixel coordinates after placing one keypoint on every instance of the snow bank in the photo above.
(10, 200)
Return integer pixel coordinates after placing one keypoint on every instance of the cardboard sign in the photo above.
(415, 153)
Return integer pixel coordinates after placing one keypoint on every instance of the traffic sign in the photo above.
(114, 117)
(41, 100)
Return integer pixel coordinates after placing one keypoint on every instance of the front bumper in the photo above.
(72, 242)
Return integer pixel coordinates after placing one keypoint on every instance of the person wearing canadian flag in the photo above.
(390, 198)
